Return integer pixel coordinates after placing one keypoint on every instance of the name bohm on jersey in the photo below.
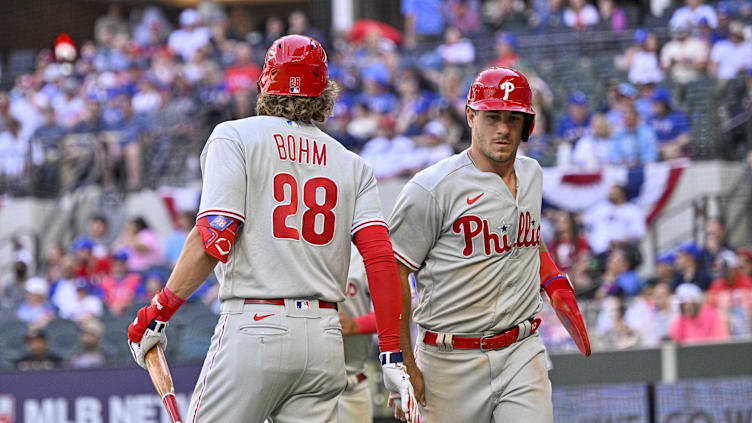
(471, 227)
(300, 150)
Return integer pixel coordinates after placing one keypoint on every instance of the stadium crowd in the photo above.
(145, 90)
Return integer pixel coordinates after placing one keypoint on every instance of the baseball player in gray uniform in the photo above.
(358, 326)
(470, 227)
(280, 205)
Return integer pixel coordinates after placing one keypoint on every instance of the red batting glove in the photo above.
(164, 304)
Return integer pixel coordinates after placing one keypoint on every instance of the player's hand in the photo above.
(148, 328)
(349, 327)
(397, 381)
(154, 334)
(416, 380)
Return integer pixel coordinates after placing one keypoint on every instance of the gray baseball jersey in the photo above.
(297, 192)
(473, 245)
(357, 303)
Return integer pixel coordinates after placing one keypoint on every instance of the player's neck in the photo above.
(504, 169)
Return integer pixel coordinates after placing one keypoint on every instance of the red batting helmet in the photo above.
(503, 89)
(294, 65)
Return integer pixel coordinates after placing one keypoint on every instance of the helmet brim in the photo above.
(494, 104)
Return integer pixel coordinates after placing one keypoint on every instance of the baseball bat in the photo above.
(156, 364)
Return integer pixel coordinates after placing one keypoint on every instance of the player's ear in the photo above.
(470, 114)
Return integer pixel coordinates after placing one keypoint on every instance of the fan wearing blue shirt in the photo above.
(573, 125)
(671, 126)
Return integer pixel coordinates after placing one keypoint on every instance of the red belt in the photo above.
(361, 377)
(281, 302)
(491, 342)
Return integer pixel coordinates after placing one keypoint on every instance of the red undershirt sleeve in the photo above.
(366, 323)
(383, 283)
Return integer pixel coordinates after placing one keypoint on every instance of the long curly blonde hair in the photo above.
(299, 109)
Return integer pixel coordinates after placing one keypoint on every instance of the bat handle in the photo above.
(156, 364)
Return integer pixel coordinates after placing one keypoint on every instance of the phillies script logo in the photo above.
(528, 234)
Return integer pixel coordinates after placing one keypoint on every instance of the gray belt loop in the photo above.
(232, 305)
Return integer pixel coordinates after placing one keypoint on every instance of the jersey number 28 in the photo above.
(313, 208)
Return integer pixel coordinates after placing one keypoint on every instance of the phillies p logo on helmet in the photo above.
(508, 87)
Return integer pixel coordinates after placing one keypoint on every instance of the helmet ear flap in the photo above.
(527, 128)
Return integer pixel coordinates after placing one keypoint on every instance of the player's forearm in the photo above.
(373, 244)
(406, 342)
(192, 268)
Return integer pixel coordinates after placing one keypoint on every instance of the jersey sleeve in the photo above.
(223, 167)
(415, 225)
(367, 203)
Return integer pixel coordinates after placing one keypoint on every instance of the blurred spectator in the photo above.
(110, 25)
(240, 80)
(174, 243)
(580, 14)
(729, 57)
(635, 144)
(462, 14)
(697, 322)
(505, 46)
(69, 107)
(456, 50)
(84, 305)
(689, 16)
(593, 150)
(614, 222)
(125, 145)
(567, 245)
(729, 276)
(641, 59)
(611, 16)
(147, 99)
(273, 29)
(690, 271)
(38, 356)
(35, 310)
(12, 285)
(506, 14)
(684, 57)
(665, 269)
(423, 21)
(14, 150)
(390, 154)
(298, 24)
(152, 29)
(122, 287)
(612, 330)
(620, 278)
(622, 97)
(45, 145)
(140, 243)
(548, 15)
(745, 261)
(573, 125)
(431, 146)
(715, 242)
(99, 233)
(154, 281)
(90, 353)
(63, 290)
(650, 314)
(190, 37)
(671, 126)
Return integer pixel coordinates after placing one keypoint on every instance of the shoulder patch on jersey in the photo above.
(219, 222)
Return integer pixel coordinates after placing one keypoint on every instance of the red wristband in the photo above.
(166, 303)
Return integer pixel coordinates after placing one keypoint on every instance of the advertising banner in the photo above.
(90, 396)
